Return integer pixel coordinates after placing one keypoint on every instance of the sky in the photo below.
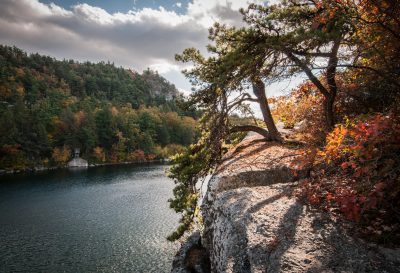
(135, 34)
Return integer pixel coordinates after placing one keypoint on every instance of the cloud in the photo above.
(137, 38)
(206, 12)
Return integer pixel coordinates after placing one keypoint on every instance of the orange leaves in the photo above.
(314, 199)
(61, 155)
(326, 13)
(137, 156)
(359, 175)
(79, 118)
(358, 144)
(99, 154)
(151, 157)
(303, 106)
(335, 148)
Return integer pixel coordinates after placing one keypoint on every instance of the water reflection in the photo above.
(106, 219)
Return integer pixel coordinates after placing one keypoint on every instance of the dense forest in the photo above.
(49, 107)
(344, 118)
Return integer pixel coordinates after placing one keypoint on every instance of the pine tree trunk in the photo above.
(251, 128)
(259, 91)
(329, 113)
(332, 86)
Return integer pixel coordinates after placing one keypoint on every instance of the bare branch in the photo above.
(312, 54)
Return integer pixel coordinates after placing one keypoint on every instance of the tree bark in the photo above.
(331, 80)
(330, 92)
(328, 109)
(259, 91)
(251, 128)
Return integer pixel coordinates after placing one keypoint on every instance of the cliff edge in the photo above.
(254, 223)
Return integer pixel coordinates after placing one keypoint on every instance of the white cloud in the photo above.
(164, 67)
(207, 12)
(185, 92)
(94, 14)
(137, 39)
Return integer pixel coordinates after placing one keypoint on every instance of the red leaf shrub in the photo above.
(359, 175)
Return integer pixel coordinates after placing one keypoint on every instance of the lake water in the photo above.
(105, 219)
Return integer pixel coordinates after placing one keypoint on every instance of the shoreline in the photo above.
(39, 169)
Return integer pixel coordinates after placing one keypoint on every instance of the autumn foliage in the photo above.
(359, 175)
(343, 116)
(61, 155)
(106, 111)
(99, 155)
(303, 106)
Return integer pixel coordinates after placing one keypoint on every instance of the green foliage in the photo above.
(188, 168)
(193, 165)
(110, 113)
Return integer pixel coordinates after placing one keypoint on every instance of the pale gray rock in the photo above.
(78, 163)
(265, 229)
(254, 223)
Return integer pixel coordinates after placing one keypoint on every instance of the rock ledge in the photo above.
(253, 223)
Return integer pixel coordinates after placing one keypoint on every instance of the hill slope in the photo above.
(48, 107)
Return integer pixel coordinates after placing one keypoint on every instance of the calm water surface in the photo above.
(106, 219)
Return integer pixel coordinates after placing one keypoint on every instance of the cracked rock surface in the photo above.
(253, 223)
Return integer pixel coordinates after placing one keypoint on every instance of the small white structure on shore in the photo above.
(77, 162)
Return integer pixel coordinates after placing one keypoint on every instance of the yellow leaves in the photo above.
(19, 72)
(59, 125)
(79, 118)
(218, 91)
(20, 91)
(114, 111)
(5, 92)
(335, 147)
(61, 155)
(69, 101)
(99, 154)
(284, 110)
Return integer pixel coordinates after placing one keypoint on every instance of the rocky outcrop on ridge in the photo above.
(254, 223)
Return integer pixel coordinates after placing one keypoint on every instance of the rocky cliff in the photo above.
(254, 223)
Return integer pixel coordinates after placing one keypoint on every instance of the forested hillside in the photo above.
(48, 107)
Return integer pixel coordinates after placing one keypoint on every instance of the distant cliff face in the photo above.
(159, 86)
(254, 223)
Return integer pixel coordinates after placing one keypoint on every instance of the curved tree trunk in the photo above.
(332, 86)
(251, 128)
(259, 91)
(330, 92)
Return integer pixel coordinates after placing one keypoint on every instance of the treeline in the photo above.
(49, 107)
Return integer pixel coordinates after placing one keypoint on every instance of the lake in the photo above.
(103, 219)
